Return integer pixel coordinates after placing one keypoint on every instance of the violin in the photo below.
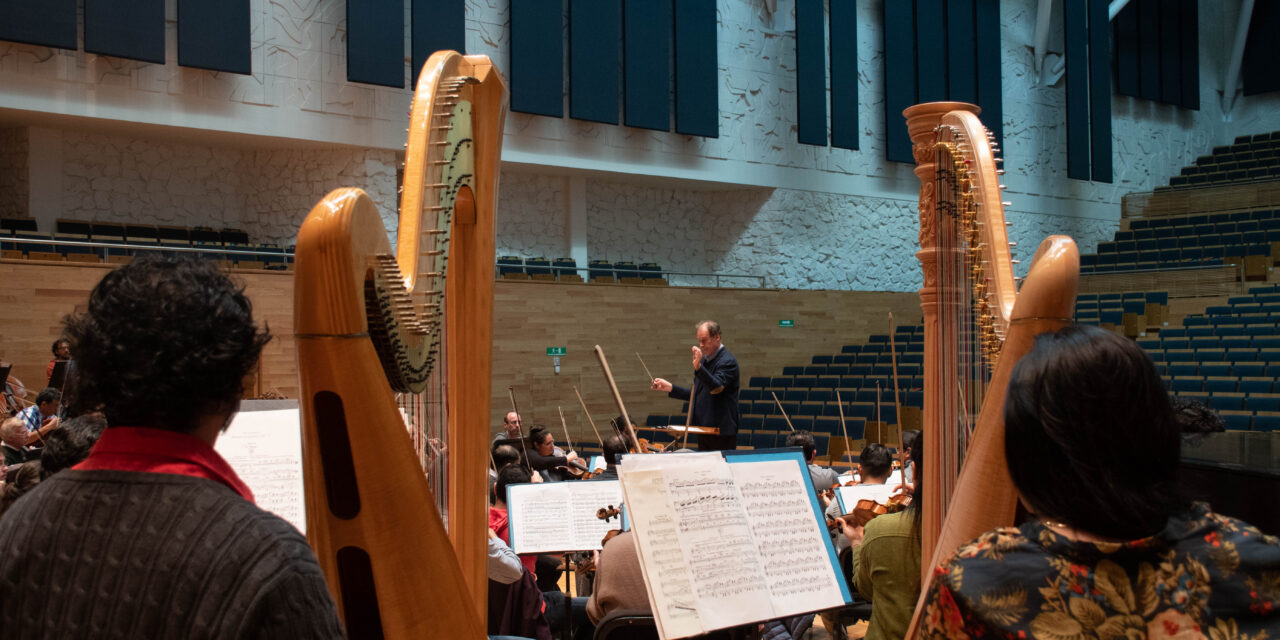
(577, 470)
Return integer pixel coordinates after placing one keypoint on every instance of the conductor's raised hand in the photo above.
(697, 358)
(661, 385)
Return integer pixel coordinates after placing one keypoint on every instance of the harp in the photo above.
(978, 323)
(386, 341)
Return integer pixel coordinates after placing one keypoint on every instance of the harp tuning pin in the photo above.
(1016, 261)
(999, 172)
(1013, 244)
(1006, 204)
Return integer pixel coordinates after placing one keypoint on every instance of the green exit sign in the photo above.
(555, 351)
(786, 323)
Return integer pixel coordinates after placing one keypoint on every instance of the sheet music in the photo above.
(553, 517)
(849, 496)
(724, 565)
(265, 450)
(895, 478)
(671, 595)
(789, 537)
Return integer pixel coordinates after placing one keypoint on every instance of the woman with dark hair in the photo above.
(1113, 549)
(546, 457)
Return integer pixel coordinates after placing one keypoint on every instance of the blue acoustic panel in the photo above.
(899, 77)
(595, 33)
(131, 29)
(49, 23)
(986, 29)
(435, 25)
(375, 42)
(962, 71)
(1188, 29)
(1148, 49)
(1099, 91)
(931, 50)
(646, 64)
(1170, 53)
(537, 57)
(1126, 50)
(844, 73)
(697, 61)
(214, 34)
(811, 73)
(1077, 60)
(1261, 50)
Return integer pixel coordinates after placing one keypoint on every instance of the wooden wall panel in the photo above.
(657, 322)
(37, 296)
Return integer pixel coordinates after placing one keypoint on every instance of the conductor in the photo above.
(715, 397)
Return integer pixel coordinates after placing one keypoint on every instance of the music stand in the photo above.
(58, 378)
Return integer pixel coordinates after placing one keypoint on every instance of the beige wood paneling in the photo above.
(657, 322)
(37, 295)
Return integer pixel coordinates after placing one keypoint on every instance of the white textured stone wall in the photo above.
(266, 192)
(13, 172)
(801, 216)
(298, 88)
(531, 219)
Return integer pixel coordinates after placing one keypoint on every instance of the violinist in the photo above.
(823, 478)
(614, 446)
(510, 428)
(548, 459)
(874, 466)
(886, 564)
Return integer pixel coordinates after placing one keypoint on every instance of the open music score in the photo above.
(265, 450)
(751, 539)
(554, 517)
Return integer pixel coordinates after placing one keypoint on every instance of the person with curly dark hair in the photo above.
(154, 517)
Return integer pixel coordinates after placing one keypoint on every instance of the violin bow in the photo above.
(567, 440)
(617, 397)
(843, 428)
(588, 414)
(879, 422)
(784, 411)
(511, 393)
(897, 406)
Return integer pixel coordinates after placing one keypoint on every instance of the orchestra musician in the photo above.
(715, 389)
(886, 563)
(510, 428)
(546, 458)
(154, 534)
(823, 478)
(1114, 549)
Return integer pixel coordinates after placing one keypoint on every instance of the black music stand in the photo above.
(58, 378)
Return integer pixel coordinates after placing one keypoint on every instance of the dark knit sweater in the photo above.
(121, 554)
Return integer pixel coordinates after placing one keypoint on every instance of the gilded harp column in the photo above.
(922, 121)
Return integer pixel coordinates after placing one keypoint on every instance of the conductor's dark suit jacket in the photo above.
(718, 373)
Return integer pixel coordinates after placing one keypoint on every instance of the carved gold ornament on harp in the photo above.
(956, 199)
(406, 312)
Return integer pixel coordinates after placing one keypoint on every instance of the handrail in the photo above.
(154, 247)
(586, 271)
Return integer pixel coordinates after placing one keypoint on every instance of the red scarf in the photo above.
(161, 451)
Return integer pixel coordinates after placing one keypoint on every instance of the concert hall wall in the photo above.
(752, 200)
(657, 322)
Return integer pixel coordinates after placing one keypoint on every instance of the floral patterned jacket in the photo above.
(1203, 576)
